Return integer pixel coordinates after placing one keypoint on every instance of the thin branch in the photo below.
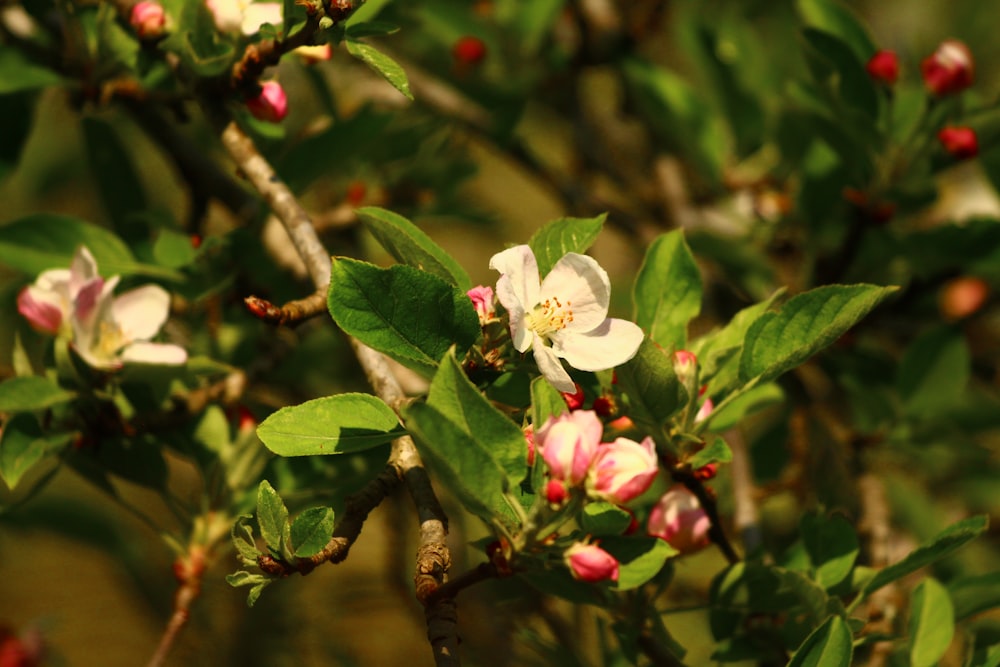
(290, 314)
(189, 571)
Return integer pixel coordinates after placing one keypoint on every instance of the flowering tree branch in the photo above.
(433, 556)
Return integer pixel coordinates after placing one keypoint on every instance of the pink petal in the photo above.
(41, 308)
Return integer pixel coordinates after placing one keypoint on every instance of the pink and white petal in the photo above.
(611, 344)
(161, 354)
(92, 297)
(227, 14)
(580, 284)
(55, 280)
(141, 312)
(519, 333)
(258, 13)
(551, 367)
(82, 269)
(42, 308)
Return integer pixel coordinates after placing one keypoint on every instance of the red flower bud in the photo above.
(356, 191)
(883, 67)
(147, 19)
(469, 50)
(574, 401)
(949, 69)
(706, 472)
(605, 406)
(555, 492)
(960, 142)
(962, 297)
(271, 105)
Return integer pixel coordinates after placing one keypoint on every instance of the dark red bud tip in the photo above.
(960, 142)
(574, 401)
(884, 67)
(356, 191)
(706, 472)
(196, 241)
(605, 406)
(263, 309)
(469, 50)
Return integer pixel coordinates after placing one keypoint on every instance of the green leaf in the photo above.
(406, 313)
(546, 401)
(338, 424)
(932, 623)
(311, 531)
(832, 545)
(455, 398)
(196, 41)
(934, 371)
(410, 245)
(654, 394)
(370, 29)
(832, 17)
(838, 66)
(561, 236)
(986, 657)
(18, 73)
(461, 464)
(381, 63)
(947, 541)
(256, 580)
(667, 291)
(717, 452)
(747, 403)
(639, 558)
(22, 445)
(23, 394)
(807, 323)
(601, 518)
(173, 249)
(974, 594)
(272, 516)
(242, 535)
(829, 645)
(38, 242)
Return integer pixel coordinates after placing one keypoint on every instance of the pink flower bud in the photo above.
(623, 469)
(883, 67)
(148, 19)
(556, 492)
(574, 401)
(529, 438)
(685, 366)
(961, 297)
(271, 105)
(960, 142)
(589, 562)
(569, 444)
(484, 303)
(704, 411)
(949, 69)
(680, 520)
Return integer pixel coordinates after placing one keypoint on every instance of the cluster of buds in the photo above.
(615, 471)
(105, 330)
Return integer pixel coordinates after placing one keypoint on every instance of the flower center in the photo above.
(549, 317)
(110, 340)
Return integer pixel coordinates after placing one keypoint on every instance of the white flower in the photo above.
(563, 317)
(106, 331)
(243, 15)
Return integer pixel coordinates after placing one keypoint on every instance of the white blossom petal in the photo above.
(257, 14)
(517, 289)
(612, 343)
(82, 269)
(551, 367)
(581, 285)
(163, 354)
(141, 312)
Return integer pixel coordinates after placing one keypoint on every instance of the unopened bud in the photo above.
(555, 492)
(574, 401)
(469, 50)
(589, 562)
(271, 105)
(963, 296)
(148, 19)
(960, 142)
(949, 69)
(883, 67)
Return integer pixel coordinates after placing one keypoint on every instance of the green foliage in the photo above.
(18, 73)
(338, 424)
(408, 244)
(932, 623)
(410, 315)
(556, 238)
(24, 394)
(311, 531)
(381, 63)
(654, 393)
(23, 444)
(667, 291)
(830, 645)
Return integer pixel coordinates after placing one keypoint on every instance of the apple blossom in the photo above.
(589, 562)
(563, 316)
(623, 469)
(106, 331)
(243, 16)
(49, 303)
(569, 444)
(680, 520)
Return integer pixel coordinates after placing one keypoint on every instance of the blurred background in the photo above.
(525, 112)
